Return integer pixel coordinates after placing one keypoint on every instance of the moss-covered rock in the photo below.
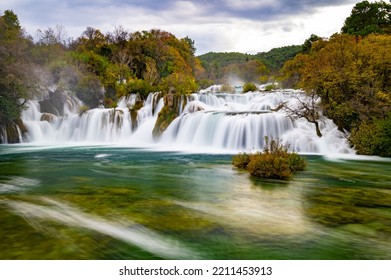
(164, 119)
(134, 113)
(173, 105)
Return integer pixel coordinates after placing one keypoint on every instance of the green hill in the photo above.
(218, 64)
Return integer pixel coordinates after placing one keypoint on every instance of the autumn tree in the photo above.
(351, 76)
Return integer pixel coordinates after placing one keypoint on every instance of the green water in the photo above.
(119, 203)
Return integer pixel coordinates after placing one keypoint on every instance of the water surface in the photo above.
(122, 203)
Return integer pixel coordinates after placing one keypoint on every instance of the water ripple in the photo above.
(139, 236)
(17, 184)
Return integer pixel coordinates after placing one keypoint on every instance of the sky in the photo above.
(247, 26)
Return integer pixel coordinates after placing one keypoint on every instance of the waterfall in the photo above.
(207, 121)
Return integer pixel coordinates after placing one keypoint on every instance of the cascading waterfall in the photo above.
(208, 121)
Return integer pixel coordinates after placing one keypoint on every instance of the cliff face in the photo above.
(173, 106)
(167, 114)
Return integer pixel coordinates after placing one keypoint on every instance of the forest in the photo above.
(350, 71)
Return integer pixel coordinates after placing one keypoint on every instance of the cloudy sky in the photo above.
(247, 26)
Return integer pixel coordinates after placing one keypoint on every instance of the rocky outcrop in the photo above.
(47, 117)
(173, 106)
(54, 104)
(166, 115)
(12, 132)
(134, 113)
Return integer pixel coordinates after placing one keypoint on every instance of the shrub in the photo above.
(269, 166)
(363, 138)
(270, 87)
(373, 138)
(296, 162)
(241, 160)
(383, 142)
(227, 88)
(273, 162)
(83, 109)
(249, 87)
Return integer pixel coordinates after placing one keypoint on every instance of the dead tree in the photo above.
(305, 106)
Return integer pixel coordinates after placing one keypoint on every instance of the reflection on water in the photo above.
(113, 203)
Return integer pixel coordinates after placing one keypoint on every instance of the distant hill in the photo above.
(273, 59)
(222, 59)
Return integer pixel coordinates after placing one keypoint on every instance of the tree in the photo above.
(305, 106)
(351, 76)
(11, 20)
(306, 47)
(53, 36)
(367, 18)
(16, 78)
(89, 89)
(190, 44)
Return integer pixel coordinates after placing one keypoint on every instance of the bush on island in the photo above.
(249, 87)
(273, 162)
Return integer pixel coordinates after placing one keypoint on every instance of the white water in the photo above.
(210, 122)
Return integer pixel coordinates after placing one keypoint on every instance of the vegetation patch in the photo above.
(274, 162)
(249, 87)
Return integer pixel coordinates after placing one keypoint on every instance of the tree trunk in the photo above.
(317, 129)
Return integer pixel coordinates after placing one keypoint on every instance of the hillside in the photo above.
(219, 65)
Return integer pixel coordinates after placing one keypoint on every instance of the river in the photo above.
(111, 202)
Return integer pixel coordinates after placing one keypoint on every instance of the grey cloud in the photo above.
(209, 22)
(54, 12)
(276, 9)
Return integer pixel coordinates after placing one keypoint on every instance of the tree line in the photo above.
(98, 68)
(351, 73)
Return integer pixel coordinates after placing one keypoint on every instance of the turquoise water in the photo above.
(122, 203)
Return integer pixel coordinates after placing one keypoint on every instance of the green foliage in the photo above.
(270, 87)
(11, 19)
(139, 62)
(221, 67)
(373, 138)
(241, 160)
(141, 87)
(367, 18)
(383, 141)
(90, 90)
(217, 64)
(351, 75)
(16, 77)
(306, 47)
(296, 162)
(275, 58)
(274, 162)
(182, 83)
(249, 87)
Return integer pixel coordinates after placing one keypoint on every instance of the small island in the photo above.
(274, 162)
